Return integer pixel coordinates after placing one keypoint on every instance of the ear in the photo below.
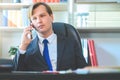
(52, 17)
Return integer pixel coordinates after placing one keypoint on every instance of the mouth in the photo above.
(40, 26)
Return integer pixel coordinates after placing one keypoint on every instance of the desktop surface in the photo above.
(36, 75)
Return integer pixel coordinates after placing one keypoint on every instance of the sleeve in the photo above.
(19, 61)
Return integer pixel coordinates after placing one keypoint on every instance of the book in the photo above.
(63, 0)
(34, 1)
(92, 53)
(12, 18)
(27, 1)
(16, 1)
(5, 18)
(85, 49)
(18, 18)
(25, 19)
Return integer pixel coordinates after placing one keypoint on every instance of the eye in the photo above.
(34, 18)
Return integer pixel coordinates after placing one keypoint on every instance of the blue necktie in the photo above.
(46, 54)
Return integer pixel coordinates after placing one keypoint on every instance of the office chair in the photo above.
(67, 30)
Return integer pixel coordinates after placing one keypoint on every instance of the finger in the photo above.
(29, 36)
(29, 28)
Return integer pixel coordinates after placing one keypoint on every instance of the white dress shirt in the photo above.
(52, 47)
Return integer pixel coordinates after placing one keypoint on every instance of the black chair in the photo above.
(67, 30)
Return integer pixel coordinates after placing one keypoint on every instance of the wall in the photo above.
(9, 39)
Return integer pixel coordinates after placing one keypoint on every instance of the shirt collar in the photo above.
(50, 38)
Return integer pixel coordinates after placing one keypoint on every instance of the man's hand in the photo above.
(25, 40)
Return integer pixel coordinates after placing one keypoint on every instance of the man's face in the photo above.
(41, 20)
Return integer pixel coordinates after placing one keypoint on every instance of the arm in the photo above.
(19, 61)
(20, 55)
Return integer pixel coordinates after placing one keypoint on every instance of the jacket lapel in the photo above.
(36, 50)
(60, 48)
(61, 39)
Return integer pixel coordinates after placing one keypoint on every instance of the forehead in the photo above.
(40, 8)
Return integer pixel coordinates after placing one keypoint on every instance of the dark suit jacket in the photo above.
(69, 53)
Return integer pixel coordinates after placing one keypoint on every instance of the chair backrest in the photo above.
(66, 30)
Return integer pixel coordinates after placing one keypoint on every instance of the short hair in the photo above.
(35, 5)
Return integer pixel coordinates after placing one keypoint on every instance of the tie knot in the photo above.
(45, 41)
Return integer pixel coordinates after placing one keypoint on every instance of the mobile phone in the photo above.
(31, 24)
(30, 36)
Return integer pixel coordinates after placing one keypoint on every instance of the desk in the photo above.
(49, 76)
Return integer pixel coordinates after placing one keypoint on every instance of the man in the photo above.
(30, 53)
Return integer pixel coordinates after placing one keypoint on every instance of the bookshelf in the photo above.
(11, 29)
(13, 5)
(54, 6)
(107, 42)
(21, 8)
(101, 23)
(99, 30)
(11, 36)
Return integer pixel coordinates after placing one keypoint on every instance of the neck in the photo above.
(46, 34)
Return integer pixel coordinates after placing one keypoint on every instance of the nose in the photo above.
(39, 19)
